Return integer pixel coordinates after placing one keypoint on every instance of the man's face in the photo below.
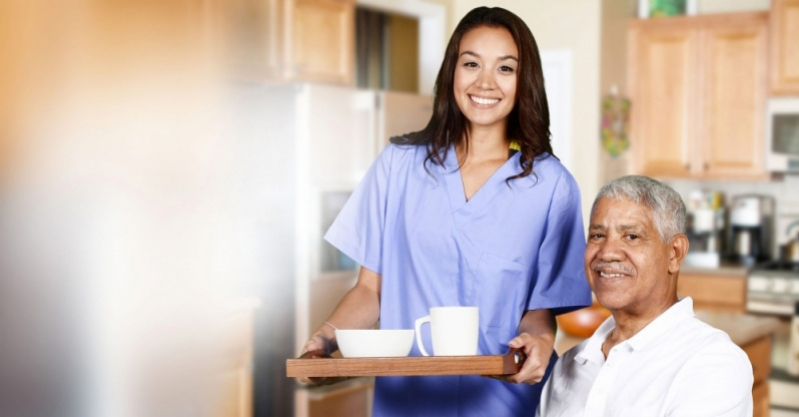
(627, 265)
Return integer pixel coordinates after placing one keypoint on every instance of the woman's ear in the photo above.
(678, 248)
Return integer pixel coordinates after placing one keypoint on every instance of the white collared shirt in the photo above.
(675, 366)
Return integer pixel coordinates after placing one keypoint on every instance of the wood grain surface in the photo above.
(405, 366)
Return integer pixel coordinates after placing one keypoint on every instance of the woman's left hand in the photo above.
(536, 339)
(538, 349)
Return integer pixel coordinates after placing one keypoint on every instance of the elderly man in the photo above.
(652, 357)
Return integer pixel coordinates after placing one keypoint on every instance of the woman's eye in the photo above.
(470, 64)
(506, 68)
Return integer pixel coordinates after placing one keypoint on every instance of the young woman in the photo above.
(474, 210)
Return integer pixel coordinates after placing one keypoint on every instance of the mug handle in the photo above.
(419, 342)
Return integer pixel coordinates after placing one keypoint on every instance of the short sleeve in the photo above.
(358, 228)
(560, 283)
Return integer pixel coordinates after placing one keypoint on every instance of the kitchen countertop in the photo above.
(742, 328)
(726, 268)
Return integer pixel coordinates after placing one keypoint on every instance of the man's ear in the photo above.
(678, 248)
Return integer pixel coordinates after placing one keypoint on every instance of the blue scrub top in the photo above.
(509, 249)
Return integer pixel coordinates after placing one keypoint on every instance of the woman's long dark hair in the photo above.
(528, 122)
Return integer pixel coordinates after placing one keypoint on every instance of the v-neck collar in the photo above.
(486, 192)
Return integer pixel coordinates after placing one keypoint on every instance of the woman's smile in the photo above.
(482, 101)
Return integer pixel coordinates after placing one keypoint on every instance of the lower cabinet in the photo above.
(235, 379)
(348, 402)
(720, 292)
(759, 353)
(760, 396)
(351, 398)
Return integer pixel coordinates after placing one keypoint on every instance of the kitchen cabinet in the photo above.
(352, 400)
(296, 40)
(698, 87)
(320, 41)
(235, 380)
(784, 53)
(286, 40)
(759, 353)
(273, 37)
(722, 290)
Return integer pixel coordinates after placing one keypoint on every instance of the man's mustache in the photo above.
(618, 266)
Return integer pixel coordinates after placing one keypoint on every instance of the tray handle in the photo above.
(512, 361)
(320, 381)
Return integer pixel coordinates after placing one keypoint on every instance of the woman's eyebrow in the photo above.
(502, 58)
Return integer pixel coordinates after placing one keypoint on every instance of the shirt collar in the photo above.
(593, 346)
(679, 312)
(676, 314)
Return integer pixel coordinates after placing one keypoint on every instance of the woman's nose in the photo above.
(486, 80)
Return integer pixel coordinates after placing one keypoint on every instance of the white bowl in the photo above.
(374, 343)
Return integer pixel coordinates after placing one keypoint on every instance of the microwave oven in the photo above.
(782, 135)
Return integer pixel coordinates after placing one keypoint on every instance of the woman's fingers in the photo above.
(534, 367)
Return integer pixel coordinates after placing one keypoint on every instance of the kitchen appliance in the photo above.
(793, 347)
(782, 130)
(750, 231)
(705, 228)
(773, 288)
(790, 251)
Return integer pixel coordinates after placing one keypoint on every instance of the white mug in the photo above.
(454, 331)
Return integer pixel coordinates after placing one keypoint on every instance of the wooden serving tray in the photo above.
(314, 366)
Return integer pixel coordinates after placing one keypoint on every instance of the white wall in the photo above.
(728, 6)
(573, 25)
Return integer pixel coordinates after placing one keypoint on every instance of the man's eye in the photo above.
(596, 236)
(632, 236)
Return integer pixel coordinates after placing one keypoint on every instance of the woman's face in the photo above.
(485, 76)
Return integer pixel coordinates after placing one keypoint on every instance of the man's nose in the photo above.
(610, 250)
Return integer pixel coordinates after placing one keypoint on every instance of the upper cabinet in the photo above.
(784, 59)
(288, 40)
(698, 88)
(321, 41)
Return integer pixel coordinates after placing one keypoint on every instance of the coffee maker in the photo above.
(750, 229)
(705, 228)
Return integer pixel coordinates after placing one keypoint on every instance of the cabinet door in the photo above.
(720, 293)
(662, 83)
(761, 400)
(235, 397)
(322, 42)
(273, 34)
(784, 60)
(734, 80)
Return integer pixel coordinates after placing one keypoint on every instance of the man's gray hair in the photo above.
(668, 209)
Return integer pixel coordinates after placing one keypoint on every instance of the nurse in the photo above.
(474, 210)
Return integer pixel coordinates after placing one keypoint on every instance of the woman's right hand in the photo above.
(318, 346)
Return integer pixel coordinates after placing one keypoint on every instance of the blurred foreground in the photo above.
(118, 267)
